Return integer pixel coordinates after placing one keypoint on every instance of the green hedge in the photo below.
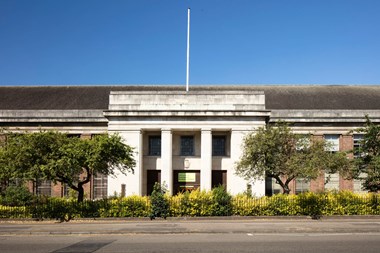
(201, 203)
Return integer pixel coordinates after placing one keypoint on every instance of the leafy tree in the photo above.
(276, 152)
(72, 161)
(367, 164)
(159, 204)
(12, 162)
(222, 201)
(17, 196)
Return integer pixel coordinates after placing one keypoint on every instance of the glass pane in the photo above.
(155, 145)
(219, 145)
(187, 145)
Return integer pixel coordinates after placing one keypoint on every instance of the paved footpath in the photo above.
(213, 225)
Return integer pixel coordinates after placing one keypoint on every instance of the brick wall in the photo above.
(318, 184)
(56, 190)
(346, 144)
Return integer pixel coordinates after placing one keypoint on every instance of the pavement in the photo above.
(199, 225)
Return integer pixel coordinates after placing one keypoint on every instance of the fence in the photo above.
(204, 205)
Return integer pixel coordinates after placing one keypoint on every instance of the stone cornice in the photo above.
(339, 116)
(52, 116)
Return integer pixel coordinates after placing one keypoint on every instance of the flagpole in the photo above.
(188, 50)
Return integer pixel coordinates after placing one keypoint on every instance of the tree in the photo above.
(159, 204)
(16, 162)
(367, 162)
(73, 161)
(276, 152)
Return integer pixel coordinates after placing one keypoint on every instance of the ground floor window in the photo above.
(358, 184)
(302, 185)
(332, 182)
(43, 187)
(272, 187)
(100, 186)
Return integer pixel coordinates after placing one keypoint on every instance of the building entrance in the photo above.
(185, 180)
(153, 176)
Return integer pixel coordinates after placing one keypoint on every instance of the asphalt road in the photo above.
(194, 235)
(295, 243)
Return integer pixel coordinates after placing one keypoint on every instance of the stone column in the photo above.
(206, 159)
(237, 184)
(167, 158)
(132, 181)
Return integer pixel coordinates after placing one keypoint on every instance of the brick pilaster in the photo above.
(346, 144)
(318, 185)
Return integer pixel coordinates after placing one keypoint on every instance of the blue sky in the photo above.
(104, 42)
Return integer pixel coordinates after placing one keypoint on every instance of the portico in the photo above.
(185, 140)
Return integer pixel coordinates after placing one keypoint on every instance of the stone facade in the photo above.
(173, 115)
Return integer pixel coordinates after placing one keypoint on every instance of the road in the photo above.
(302, 243)
(199, 235)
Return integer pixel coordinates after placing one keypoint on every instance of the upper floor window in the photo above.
(219, 145)
(358, 138)
(333, 141)
(187, 146)
(155, 145)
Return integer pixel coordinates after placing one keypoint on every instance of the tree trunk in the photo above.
(80, 185)
(286, 189)
(80, 193)
(284, 185)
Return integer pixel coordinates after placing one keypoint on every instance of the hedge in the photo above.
(201, 203)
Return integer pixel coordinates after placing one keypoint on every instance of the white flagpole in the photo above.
(188, 50)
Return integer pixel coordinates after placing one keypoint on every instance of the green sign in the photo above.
(186, 177)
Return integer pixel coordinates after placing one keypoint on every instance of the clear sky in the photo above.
(104, 42)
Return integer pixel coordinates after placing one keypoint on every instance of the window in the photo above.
(333, 140)
(65, 190)
(358, 138)
(302, 185)
(358, 142)
(332, 180)
(43, 188)
(73, 135)
(219, 145)
(100, 186)
(187, 146)
(155, 145)
(272, 187)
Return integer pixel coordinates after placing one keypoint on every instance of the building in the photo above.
(190, 140)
